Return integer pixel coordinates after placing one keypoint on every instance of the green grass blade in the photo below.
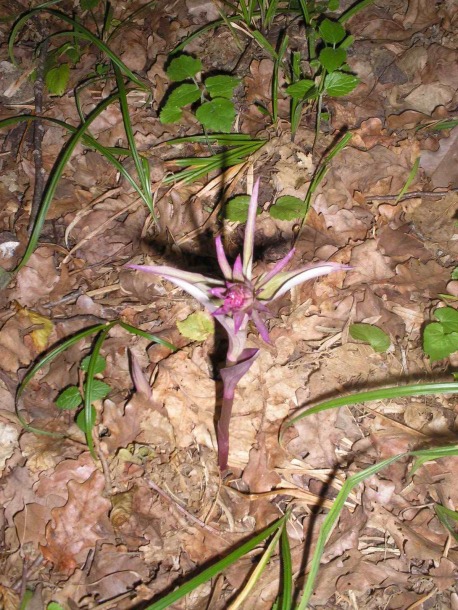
(276, 75)
(256, 575)
(55, 177)
(427, 455)
(217, 138)
(264, 43)
(447, 516)
(354, 9)
(410, 178)
(305, 11)
(338, 504)
(330, 521)
(206, 28)
(80, 32)
(216, 568)
(46, 359)
(142, 333)
(139, 166)
(416, 389)
(271, 12)
(287, 572)
(88, 393)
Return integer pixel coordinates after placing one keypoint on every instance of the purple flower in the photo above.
(235, 300)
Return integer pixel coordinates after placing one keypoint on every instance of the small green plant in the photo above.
(216, 111)
(440, 339)
(91, 388)
(73, 396)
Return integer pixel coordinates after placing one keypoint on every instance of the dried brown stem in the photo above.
(412, 195)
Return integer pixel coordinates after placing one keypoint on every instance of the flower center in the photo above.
(237, 297)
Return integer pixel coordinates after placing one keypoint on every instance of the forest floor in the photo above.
(121, 530)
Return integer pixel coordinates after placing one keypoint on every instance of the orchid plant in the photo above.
(234, 301)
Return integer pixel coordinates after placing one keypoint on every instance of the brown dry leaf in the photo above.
(441, 165)
(369, 265)
(78, 526)
(257, 474)
(445, 575)
(37, 279)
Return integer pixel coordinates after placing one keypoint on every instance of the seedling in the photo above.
(216, 111)
(92, 388)
(369, 333)
(440, 339)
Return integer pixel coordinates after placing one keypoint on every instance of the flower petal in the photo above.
(195, 284)
(282, 282)
(222, 259)
(237, 273)
(276, 269)
(248, 244)
(262, 328)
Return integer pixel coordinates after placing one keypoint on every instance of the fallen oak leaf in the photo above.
(77, 526)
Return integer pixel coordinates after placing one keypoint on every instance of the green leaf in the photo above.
(447, 517)
(448, 317)
(331, 59)
(339, 83)
(54, 606)
(371, 334)
(56, 79)
(455, 274)
(445, 124)
(81, 420)
(197, 327)
(87, 5)
(221, 86)
(99, 390)
(183, 67)
(287, 208)
(100, 364)
(437, 344)
(333, 5)
(70, 398)
(236, 209)
(181, 96)
(331, 31)
(300, 88)
(217, 115)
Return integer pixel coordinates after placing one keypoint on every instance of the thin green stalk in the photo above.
(216, 568)
(416, 389)
(139, 165)
(354, 9)
(287, 572)
(55, 176)
(410, 179)
(338, 504)
(88, 393)
(276, 75)
(80, 32)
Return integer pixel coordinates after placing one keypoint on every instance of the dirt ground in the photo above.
(152, 509)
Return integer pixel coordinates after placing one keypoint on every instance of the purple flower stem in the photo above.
(231, 375)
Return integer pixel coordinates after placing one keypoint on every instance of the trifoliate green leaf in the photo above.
(56, 79)
(81, 420)
(371, 334)
(339, 83)
(99, 390)
(217, 115)
(221, 86)
(236, 209)
(331, 31)
(287, 208)
(70, 398)
(300, 88)
(100, 364)
(183, 67)
(181, 96)
(331, 59)
(437, 343)
(448, 317)
(197, 327)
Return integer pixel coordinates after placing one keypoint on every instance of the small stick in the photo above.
(412, 195)
(182, 510)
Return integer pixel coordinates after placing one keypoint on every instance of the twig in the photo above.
(183, 510)
(38, 133)
(412, 195)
